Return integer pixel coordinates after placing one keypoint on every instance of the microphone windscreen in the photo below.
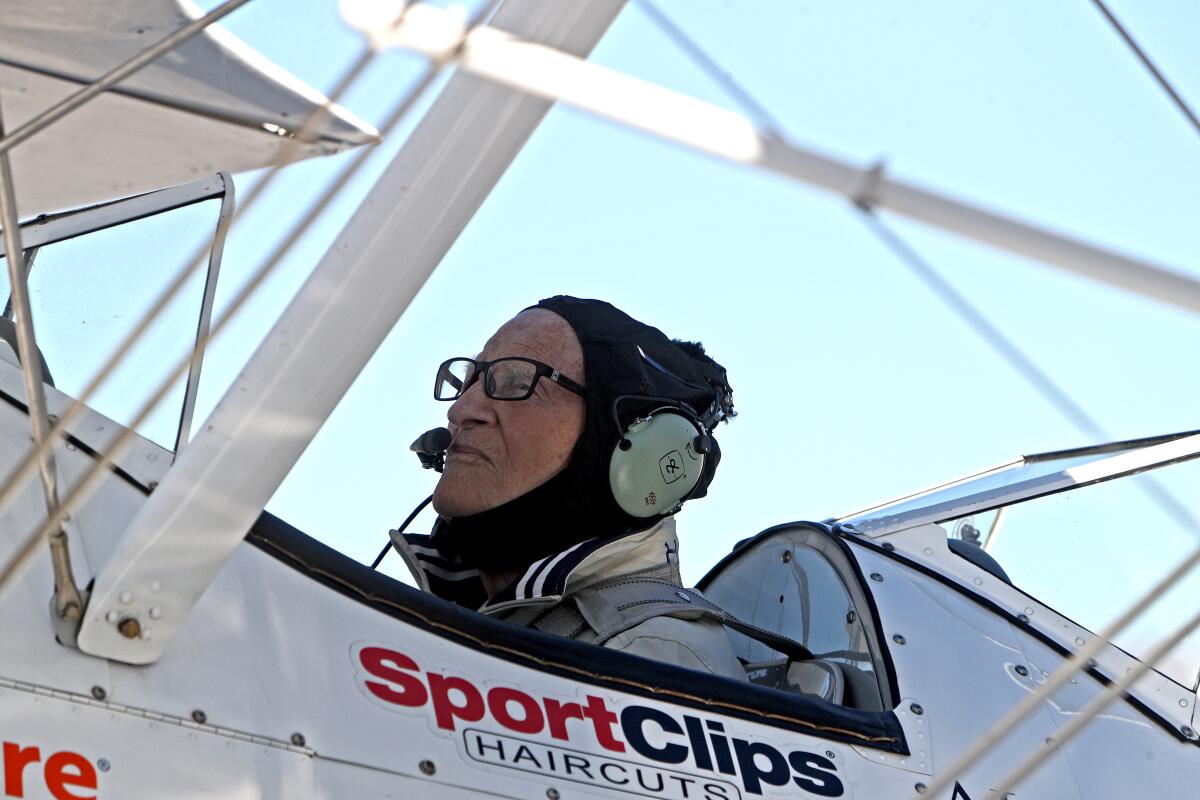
(432, 442)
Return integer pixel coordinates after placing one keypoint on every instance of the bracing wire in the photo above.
(1080, 659)
(83, 488)
(1176, 98)
(67, 599)
(1017, 359)
(990, 333)
(17, 477)
(767, 123)
(116, 75)
(1177, 510)
(1063, 401)
(89, 481)
(274, 260)
(1094, 707)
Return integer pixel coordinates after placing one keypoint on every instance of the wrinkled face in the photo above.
(502, 449)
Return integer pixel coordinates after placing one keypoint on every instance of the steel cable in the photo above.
(90, 480)
(1081, 658)
(1094, 707)
(768, 124)
(1176, 98)
(1016, 358)
(1043, 383)
(116, 75)
(17, 477)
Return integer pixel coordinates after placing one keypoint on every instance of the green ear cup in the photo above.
(656, 466)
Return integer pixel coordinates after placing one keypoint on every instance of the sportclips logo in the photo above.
(508, 727)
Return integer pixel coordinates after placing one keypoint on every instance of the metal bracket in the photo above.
(866, 196)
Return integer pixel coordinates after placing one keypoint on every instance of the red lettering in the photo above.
(531, 717)
(455, 699)
(70, 769)
(401, 688)
(557, 715)
(603, 721)
(16, 759)
(471, 709)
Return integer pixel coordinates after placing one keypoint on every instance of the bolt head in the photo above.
(785, 556)
(899, 639)
(199, 717)
(298, 739)
(917, 709)
(1022, 618)
(1188, 732)
(130, 628)
(99, 693)
(103, 765)
(552, 794)
(875, 576)
(891, 548)
(920, 788)
(1021, 670)
(427, 767)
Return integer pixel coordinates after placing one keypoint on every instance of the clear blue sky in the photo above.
(854, 382)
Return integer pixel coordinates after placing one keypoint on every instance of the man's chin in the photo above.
(451, 498)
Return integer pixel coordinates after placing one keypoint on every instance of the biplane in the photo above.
(164, 636)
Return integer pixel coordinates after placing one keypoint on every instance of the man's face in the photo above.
(502, 449)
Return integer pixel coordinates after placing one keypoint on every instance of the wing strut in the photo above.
(201, 511)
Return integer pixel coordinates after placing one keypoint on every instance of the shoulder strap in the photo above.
(615, 606)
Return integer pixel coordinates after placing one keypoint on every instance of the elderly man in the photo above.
(577, 434)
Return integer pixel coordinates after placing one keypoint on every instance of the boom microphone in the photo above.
(431, 447)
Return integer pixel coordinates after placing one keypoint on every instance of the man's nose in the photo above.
(472, 408)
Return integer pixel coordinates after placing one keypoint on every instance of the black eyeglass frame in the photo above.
(484, 368)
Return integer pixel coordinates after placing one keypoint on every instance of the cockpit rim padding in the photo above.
(575, 660)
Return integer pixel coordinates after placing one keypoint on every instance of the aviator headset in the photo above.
(651, 403)
(659, 459)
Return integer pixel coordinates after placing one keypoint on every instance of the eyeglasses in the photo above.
(511, 378)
